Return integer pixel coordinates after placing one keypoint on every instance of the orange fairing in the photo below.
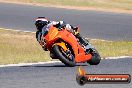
(54, 34)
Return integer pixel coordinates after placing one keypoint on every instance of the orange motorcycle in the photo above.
(63, 45)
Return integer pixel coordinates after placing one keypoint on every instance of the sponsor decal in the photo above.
(83, 78)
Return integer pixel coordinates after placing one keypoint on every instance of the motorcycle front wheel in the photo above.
(67, 59)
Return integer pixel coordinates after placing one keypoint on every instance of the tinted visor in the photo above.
(40, 24)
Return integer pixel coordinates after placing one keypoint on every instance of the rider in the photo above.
(42, 25)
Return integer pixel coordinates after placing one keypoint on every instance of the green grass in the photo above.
(113, 48)
(111, 4)
(21, 47)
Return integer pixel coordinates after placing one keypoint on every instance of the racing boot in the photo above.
(84, 43)
(88, 48)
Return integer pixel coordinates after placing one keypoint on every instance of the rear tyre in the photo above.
(95, 60)
(62, 56)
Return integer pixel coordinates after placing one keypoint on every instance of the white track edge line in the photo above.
(50, 62)
(29, 64)
(17, 30)
(119, 57)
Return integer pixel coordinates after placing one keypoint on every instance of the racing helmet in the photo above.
(40, 23)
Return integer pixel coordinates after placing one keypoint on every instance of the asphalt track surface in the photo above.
(93, 24)
(56, 75)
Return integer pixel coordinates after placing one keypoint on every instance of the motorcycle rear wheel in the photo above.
(60, 53)
(95, 60)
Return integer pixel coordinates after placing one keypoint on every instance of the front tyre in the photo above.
(67, 59)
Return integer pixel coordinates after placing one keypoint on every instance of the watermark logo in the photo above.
(83, 78)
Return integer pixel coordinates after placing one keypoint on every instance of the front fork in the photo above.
(63, 45)
(66, 51)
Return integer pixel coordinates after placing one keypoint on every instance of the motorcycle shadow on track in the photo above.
(37, 66)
